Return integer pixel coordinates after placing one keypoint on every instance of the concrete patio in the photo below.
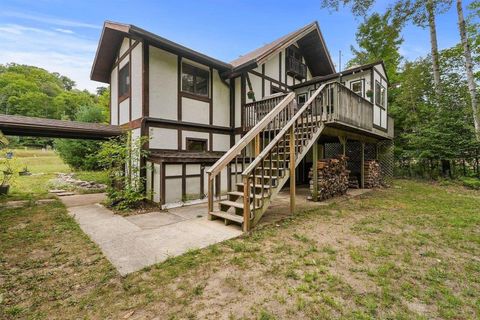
(134, 242)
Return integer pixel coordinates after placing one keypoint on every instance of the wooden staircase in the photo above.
(261, 163)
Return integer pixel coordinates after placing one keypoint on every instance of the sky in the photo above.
(62, 36)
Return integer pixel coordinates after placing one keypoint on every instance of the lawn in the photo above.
(44, 166)
(408, 252)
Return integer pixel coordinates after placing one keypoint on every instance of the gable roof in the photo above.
(311, 44)
(343, 73)
(309, 39)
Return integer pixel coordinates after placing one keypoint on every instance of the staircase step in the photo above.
(240, 194)
(238, 205)
(227, 216)
(257, 186)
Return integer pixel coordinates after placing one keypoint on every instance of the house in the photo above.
(208, 121)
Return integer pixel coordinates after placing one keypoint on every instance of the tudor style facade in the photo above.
(192, 107)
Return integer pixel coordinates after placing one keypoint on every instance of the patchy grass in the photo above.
(409, 252)
(44, 166)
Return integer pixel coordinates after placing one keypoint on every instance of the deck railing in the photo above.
(352, 109)
(257, 110)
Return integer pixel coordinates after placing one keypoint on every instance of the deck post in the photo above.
(256, 142)
(210, 196)
(321, 151)
(246, 204)
(315, 172)
(292, 169)
(362, 165)
(343, 142)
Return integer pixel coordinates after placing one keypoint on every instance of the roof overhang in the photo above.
(111, 39)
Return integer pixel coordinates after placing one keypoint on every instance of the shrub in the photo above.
(77, 153)
(471, 182)
(121, 158)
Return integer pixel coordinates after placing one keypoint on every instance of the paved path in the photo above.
(134, 242)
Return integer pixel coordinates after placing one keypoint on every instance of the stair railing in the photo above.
(285, 147)
(248, 147)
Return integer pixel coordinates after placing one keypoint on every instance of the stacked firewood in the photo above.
(372, 174)
(353, 182)
(332, 178)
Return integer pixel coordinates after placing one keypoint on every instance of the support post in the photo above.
(321, 151)
(315, 172)
(246, 204)
(343, 142)
(362, 166)
(292, 169)
(210, 196)
(256, 142)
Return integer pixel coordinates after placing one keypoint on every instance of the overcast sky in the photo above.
(62, 36)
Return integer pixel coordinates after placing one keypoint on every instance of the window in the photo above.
(124, 82)
(195, 80)
(199, 145)
(357, 87)
(301, 99)
(379, 94)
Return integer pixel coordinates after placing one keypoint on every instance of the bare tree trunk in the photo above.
(434, 45)
(469, 68)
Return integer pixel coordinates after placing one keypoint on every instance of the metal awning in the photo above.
(52, 128)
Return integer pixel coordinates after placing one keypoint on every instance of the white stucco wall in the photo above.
(163, 84)
(124, 111)
(162, 138)
(221, 101)
(114, 97)
(221, 142)
(124, 46)
(136, 82)
(195, 111)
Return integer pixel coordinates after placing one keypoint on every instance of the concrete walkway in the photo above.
(134, 242)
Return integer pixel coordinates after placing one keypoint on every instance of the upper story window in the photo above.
(124, 82)
(293, 63)
(195, 80)
(357, 87)
(380, 94)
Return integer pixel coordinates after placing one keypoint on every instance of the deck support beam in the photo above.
(314, 171)
(362, 165)
(343, 142)
(292, 169)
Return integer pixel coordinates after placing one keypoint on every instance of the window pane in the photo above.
(357, 87)
(201, 82)
(378, 94)
(196, 145)
(188, 73)
(124, 81)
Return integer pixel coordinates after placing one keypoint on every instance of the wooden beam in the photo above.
(256, 144)
(362, 165)
(292, 169)
(315, 172)
(246, 204)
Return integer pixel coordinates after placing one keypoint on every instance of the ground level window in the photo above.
(357, 87)
(195, 80)
(199, 145)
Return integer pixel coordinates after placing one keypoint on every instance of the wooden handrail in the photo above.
(248, 137)
(281, 133)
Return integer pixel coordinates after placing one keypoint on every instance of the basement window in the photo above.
(357, 87)
(124, 82)
(195, 80)
(301, 99)
(198, 145)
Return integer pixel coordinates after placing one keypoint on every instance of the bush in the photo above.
(470, 182)
(77, 153)
(125, 185)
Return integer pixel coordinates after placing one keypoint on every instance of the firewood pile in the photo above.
(353, 182)
(332, 178)
(372, 174)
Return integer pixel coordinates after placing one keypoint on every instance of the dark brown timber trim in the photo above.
(179, 88)
(242, 99)
(263, 80)
(165, 123)
(210, 106)
(146, 79)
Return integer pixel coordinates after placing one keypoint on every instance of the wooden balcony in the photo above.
(296, 68)
(340, 108)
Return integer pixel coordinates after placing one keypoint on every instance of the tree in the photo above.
(378, 38)
(77, 153)
(469, 68)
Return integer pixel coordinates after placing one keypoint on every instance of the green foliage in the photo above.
(470, 182)
(121, 158)
(81, 154)
(378, 38)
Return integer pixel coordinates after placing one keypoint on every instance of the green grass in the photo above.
(44, 166)
(408, 252)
